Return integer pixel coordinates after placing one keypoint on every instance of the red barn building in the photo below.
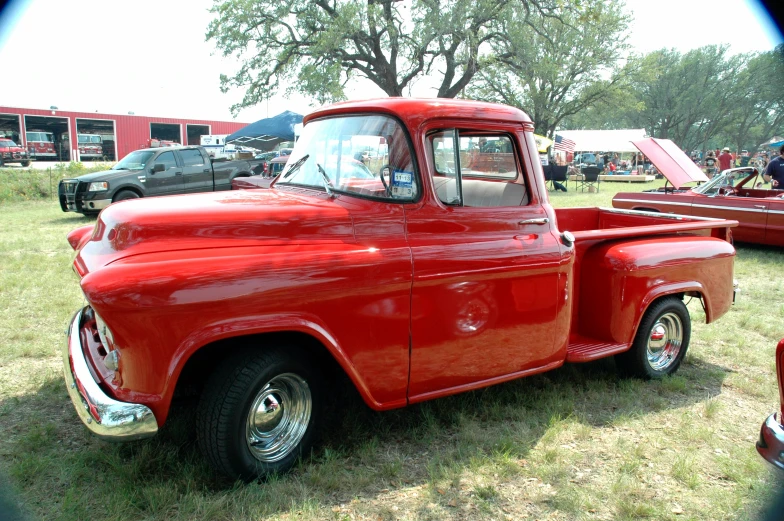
(61, 135)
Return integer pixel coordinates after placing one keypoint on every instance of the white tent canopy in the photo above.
(604, 140)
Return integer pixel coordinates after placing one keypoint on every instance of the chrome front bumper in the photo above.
(771, 442)
(106, 417)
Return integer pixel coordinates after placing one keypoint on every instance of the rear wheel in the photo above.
(25, 163)
(661, 341)
(259, 413)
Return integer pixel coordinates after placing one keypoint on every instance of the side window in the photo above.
(191, 157)
(476, 169)
(167, 159)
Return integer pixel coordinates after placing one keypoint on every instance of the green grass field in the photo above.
(576, 443)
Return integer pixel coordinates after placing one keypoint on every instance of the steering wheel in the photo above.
(388, 169)
(727, 190)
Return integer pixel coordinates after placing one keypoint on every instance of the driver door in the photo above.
(170, 180)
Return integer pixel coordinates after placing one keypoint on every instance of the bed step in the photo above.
(585, 350)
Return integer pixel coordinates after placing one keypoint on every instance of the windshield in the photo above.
(7, 143)
(358, 155)
(726, 178)
(134, 161)
(89, 138)
(39, 136)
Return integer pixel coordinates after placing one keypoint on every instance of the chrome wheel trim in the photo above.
(278, 418)
(664, 341)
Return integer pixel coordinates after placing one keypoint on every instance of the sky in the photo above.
(150, 57)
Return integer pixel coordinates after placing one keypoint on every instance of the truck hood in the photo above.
(231, 219)
(108, 175)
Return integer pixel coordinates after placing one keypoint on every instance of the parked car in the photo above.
(771, 441)
(152, 172)
(10, 152)
(733, 194)
(418, 281)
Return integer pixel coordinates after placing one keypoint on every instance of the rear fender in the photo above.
(620, 280)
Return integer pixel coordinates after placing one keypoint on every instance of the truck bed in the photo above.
(600, 223)
(601, 232)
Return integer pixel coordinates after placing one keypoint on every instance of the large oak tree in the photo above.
(315, 47)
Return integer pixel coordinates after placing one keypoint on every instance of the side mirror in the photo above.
(158, 167)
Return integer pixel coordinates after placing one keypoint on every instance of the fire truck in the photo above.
(90, 145)
(40, 145)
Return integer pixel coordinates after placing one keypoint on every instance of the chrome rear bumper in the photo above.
(106, 417)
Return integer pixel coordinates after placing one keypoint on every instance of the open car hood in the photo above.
(671, 161)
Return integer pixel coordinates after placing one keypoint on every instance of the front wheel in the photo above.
(259, 413)
(124, 195)
(25, 163)
(661, 341)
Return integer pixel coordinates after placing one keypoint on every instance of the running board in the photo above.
(582, 351)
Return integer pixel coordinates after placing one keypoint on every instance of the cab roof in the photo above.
(414, 111)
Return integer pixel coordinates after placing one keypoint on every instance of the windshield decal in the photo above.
(402, 184)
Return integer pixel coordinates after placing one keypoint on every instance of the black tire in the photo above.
(653, 357)
(2, 162)
(25, 163)
(123, 195)
(259, 383)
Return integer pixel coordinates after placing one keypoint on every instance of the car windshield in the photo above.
(726, 178)
(369, 156)
(134, 161)
(7, 143)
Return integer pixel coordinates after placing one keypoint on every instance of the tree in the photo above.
(316, 47)
(757, 112)
(687, 98)
(558, 64)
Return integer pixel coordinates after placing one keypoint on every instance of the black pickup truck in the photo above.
(151, 172)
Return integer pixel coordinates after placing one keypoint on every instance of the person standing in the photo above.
(710, 165)
(725, 159)
(774, 173)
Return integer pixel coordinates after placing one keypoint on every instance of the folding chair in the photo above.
(590, 178)
(559, 175)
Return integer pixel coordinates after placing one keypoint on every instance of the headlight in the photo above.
(97, 187)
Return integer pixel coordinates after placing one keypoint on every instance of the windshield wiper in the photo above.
(298, 163)
(324, 176)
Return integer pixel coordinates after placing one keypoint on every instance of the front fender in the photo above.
(308, 324)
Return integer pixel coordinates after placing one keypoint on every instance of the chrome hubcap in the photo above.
(664, 342)
(278, 418)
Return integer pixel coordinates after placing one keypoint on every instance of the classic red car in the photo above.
(729, 195)
(10, 152)
(421, 280)
(771, 442)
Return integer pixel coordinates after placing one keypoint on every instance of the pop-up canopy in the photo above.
(671, 161)
(266, 133)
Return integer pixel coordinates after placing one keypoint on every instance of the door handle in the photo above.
(760, 206)
(544, 220)
(177, 173)
(206, 170)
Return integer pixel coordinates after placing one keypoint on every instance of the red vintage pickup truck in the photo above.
(417, 276)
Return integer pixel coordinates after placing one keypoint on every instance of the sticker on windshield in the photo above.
(402, 184)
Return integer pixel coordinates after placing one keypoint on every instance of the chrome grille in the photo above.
(70, 186)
